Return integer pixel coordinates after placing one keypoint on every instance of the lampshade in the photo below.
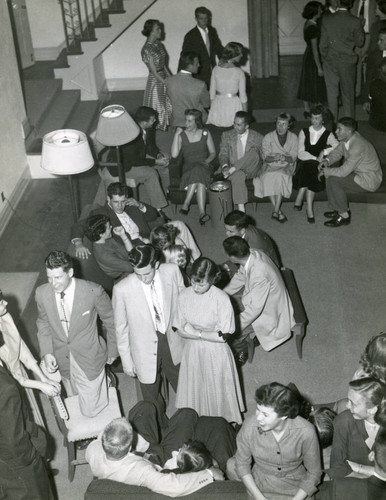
(66, 152)
(115, 126)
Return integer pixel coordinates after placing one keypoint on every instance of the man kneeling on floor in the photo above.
(111, 457)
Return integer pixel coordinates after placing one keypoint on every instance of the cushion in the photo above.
(81, 427)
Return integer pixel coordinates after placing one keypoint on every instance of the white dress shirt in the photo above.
(158, 289)
(67, 303)
(128, 225)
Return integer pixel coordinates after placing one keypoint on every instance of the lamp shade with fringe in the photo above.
(115, 126)
(66, 152)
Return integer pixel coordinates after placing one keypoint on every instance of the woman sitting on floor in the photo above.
(355, 429)
(284, 448)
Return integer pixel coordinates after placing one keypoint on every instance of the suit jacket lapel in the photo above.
(166, 296)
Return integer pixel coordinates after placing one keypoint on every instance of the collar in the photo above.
(203, 30)
(184, 72)
(245, 134)
(70, 288)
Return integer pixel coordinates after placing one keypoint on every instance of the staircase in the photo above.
(69, 92)
(88, 37)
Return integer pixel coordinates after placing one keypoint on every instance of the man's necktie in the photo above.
(64, 320)
(207, 41)
(156, 307)
(240, 149)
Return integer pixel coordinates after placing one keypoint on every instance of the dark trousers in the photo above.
(215, 432)
(165, 365)
(337, 189)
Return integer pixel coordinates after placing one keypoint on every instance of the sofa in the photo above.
(102, 489)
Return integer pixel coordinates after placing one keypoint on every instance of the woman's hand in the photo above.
(179, 130)
(49, 388)
(119, 231)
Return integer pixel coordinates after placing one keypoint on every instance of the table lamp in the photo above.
(67, 152)
(115, 128)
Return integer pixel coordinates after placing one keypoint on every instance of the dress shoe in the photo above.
(338, 221)
(184, 211)
(331, 214)
(204, 218)
(310, 220)
(298, 207)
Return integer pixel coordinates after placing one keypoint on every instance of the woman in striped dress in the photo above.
(154, 56)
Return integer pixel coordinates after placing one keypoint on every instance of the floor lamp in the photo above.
(67, 152)
(115, 128)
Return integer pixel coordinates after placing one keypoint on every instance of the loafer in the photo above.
(331, 214)
(338, 221)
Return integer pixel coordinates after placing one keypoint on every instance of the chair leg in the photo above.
(300, 332)
(251, 349)
(71, 459)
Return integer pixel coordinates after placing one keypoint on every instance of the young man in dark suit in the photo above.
(203, 40)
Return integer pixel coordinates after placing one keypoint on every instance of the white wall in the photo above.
(13, 160)
(45, 19)
(124, 68)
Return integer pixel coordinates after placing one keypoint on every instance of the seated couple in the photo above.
(130, 224)
(111, 456)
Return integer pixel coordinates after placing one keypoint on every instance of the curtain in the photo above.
(263, 38)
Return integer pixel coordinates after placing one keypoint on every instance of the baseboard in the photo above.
(48, 53)
(11, 203)
(115, 84)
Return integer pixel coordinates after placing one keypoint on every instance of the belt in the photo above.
(226, 95)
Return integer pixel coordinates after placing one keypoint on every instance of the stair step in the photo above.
(57, 115)
(84, 117)
(38, 102)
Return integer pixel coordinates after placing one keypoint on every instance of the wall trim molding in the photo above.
(17, 194)
(138, 83)
(48, 53)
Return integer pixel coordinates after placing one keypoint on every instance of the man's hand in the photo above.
(129, 368)
(366, 107)
(111, 360)
(162, 162)
(132, 202)
(218, 475)
(81, 251)
(119, 231)
(50, 362)
(226, 172)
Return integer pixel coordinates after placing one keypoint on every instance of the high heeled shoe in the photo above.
(184, 211)
(204, 218)
(298, 207)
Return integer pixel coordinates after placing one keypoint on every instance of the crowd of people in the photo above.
(178, 316)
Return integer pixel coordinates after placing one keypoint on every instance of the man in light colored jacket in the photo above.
(360, 171)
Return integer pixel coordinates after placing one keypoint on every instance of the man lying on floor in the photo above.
(111, 455)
